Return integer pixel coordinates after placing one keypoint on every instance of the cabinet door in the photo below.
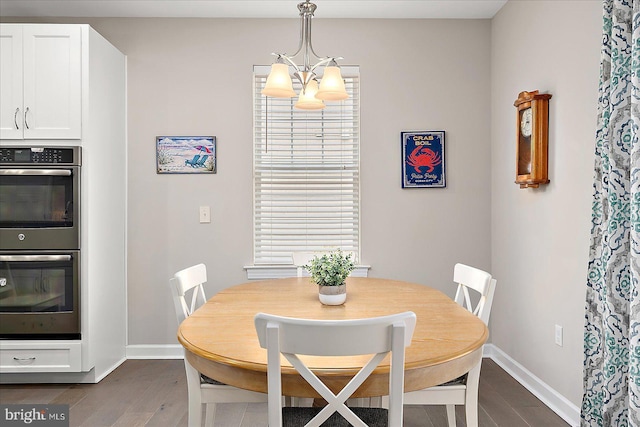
(11, 110)
(52, 81)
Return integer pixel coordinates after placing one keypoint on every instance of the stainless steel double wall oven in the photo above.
(40, 242)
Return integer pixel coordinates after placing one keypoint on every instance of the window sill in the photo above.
(263, 272)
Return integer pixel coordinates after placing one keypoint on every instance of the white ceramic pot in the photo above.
(332, 295)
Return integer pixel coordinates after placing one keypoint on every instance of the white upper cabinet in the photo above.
(11, 82)
(41, 81)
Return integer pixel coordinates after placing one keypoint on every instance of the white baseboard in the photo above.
(554, 400)
(110, 369)
(159, 351)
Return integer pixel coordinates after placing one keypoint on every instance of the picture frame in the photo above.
(186, 154)
(423, 159)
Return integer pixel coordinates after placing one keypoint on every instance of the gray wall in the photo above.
(193, 77)
(540, 238)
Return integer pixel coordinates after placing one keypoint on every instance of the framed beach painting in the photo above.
(423, 159)
(186, 154)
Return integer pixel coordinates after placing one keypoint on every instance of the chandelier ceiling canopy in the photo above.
(312, 94)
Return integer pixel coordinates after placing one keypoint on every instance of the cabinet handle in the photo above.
(26, 123)
(15, 118)
(24, 359)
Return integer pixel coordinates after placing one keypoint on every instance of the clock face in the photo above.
(525, 122)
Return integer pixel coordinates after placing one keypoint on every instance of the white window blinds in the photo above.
(306, 174)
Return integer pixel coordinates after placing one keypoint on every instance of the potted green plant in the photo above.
(329, 272)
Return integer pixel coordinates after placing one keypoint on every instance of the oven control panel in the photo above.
(39, 155)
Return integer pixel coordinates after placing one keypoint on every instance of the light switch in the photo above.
(558, 335)
(205, 214)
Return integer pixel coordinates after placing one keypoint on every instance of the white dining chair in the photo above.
(300, 259)
(188, 294)
(376, 336)
(462, 390)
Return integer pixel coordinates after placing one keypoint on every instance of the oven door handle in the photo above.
(34, 258)
(36, 172)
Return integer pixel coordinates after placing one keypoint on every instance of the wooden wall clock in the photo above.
(532, 139)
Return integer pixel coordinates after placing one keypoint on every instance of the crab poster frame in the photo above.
(423, 160)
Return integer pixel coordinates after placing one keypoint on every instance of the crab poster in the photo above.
(422, 159)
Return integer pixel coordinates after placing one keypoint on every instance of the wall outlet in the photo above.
(558, 335)
(205, 214)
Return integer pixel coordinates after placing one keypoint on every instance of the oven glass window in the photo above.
(36, 286)
(34, 201)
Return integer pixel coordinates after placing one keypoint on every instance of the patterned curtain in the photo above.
(612, 320)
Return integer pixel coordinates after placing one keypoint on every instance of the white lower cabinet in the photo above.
(40, 356)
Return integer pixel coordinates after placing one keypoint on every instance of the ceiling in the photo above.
(442, 9)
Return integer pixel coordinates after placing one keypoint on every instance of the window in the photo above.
(306, 174)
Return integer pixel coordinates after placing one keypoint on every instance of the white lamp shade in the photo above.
(307, 99)
(279, 83)
(332, 85)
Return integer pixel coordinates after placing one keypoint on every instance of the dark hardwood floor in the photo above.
(154, 393)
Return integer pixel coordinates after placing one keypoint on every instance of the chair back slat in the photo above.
(188, 285)
(481, 282)
(300, 259)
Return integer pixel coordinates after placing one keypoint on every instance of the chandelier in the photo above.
(312, 94)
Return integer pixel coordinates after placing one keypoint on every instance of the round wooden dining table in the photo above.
(221, 342)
